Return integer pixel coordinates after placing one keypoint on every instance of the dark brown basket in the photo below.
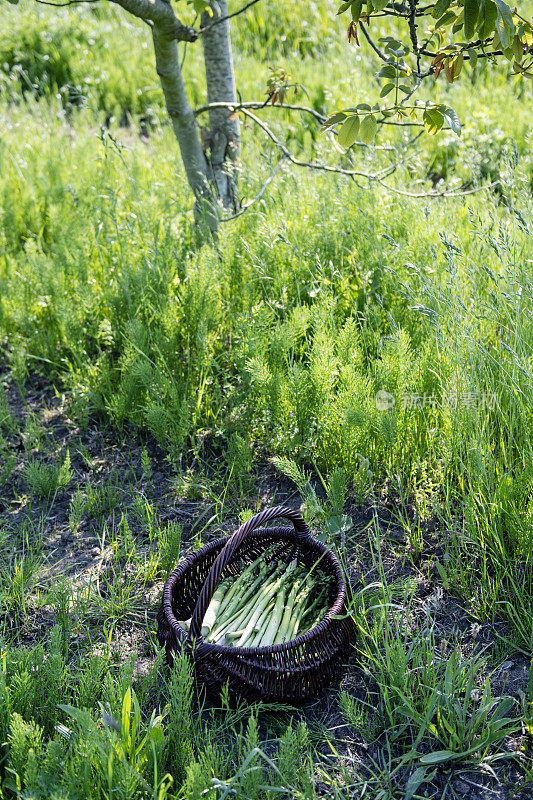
(292, 672)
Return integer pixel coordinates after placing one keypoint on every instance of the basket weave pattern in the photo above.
(291, 672)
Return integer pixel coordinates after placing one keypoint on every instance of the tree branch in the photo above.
(228, 16)
(402, 9)
(372, 44)
(372, 177)
(162, 14)
(377, 50)
(255, 105)
(412, 31)
(479, 55)
(350, 173)
(378, 177)
(260, 192)
(444, 192)
(401, 124)
(413, 90)
(62, 5)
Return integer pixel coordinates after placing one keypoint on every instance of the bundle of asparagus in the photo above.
(268, 603)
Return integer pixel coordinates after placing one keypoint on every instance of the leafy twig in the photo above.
(320, 167)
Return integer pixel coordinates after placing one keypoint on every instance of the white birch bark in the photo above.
(184, 125)
(224, 133)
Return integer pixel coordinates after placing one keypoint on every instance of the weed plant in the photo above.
(46, 480)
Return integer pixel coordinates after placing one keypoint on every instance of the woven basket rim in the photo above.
(210, 648)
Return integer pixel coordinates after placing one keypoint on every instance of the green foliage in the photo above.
(426, 692)
(88, 685)
(239, 457)
(526, 699)
(146, 466)
(294, 759)
(459, 31)
(67, 56)
(288, 340)
(17, 580)
(268, 33)
(115, 748)
(23, 738)
(33, 434)
(98, 500)
(170, 537)
(359, 716)
(8, 423)
(251, 781)
(76, 510)
(7, 466)
(180, 721)
(46, 480)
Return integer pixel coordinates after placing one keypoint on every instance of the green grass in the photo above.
(46, 480)
(265, 353)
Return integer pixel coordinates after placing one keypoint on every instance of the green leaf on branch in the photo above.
(440, 7)
(349, 132)
(508, 53)
(473, 57)
(471, 11)
(505, 26)
(519, 69)
(333, 119)
(344, 7)
(518, 51)
(386, 89)
(502, 32)
(202, 5)
(446, 18)
(388, 71)
(368, 129)
(450, 116)
(356, 8)
(433, 120)
(506, 14)
(458, 24)
(489, 19)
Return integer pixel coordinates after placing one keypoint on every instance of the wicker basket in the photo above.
(292, 672)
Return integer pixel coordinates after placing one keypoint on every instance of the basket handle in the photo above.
(208, 589)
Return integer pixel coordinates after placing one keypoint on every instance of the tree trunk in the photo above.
(224, 136)
(184, 124)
